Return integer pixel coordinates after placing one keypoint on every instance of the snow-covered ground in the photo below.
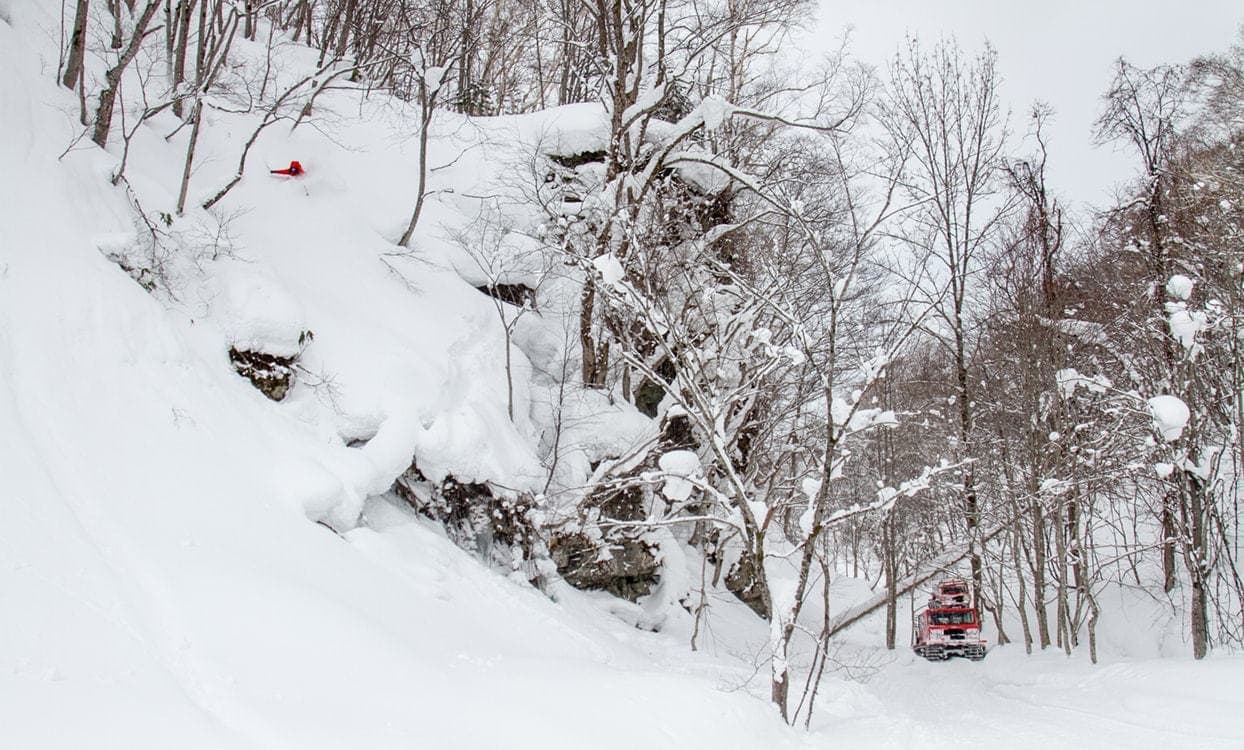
(163, 580)
(1044, 701)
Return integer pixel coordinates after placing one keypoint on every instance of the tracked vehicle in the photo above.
(949, 625)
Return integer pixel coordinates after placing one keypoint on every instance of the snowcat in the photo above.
(949, 625)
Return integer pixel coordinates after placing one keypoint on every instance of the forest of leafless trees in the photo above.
(892, 347)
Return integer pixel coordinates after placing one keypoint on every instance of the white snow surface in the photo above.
(255, 313)
(1170, 416)
(1185, 324)
(715, 110)
(680, 466)
(163, 582)
(609, 268)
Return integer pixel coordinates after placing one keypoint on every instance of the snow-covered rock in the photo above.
(609, 268)
(680, 466)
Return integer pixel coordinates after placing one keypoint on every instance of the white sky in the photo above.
(1059, 51)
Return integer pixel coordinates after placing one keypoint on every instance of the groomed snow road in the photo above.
(1045, 701)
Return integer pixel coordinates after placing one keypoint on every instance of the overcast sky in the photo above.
(1059, 51)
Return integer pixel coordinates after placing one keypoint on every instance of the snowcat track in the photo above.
(937, 652)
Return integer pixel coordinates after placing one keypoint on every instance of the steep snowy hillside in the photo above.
(187, 563)
(162, 580)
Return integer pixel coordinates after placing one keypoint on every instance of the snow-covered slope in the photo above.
(163, 578)
(162, 583)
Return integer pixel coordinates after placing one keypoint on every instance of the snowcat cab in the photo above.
(949, 625)
(951, 593)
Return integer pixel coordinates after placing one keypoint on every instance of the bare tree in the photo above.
(77, 45)
(947, 107)
(1143, 107)
(432, 68)
(112, 79)
(513, 267)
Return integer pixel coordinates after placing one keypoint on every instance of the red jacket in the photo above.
(293, 170)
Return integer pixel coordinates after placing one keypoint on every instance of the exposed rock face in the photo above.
(593, 555)
(573, 161)
(518, 295)
(617, 560)
(271, 374)
(570, 180)
(146, 277)
(741, 581)
(626, 568)
(649, 393)
(648, 397)
(497, 528)
(620, 561)
(677, 434)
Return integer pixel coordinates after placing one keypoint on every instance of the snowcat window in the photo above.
(952, 618)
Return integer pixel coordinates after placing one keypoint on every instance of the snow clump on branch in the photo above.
(1170, 416)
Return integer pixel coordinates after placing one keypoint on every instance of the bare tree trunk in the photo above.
(1194, 561)
(248, 30)
(563, 78)
(170, 35)
(890, 555)
(949, 113)
(185, 174)
(184, 10)
(200, 53)
(509, 369)
(1160, 263)
(426, 112)
(1038, 575)
(112, 79)
(1168, 542)
(82, 114)
(114, 7)
(971, 503)
(702, 605)
(329, 35)
(1078, 566)
(996, 606)
(1019, 576)
(466, 57)
(77, 46)
(298, 15)
(343, 41)
(1062, 617)
(1092, 626)
(587, 342)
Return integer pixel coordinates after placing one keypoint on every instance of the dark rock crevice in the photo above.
(501, 529)
(519, 295)
(273, 375)
(626, 568)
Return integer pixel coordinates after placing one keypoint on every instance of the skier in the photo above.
(293, 170)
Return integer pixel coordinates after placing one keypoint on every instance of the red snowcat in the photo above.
(949, 625)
